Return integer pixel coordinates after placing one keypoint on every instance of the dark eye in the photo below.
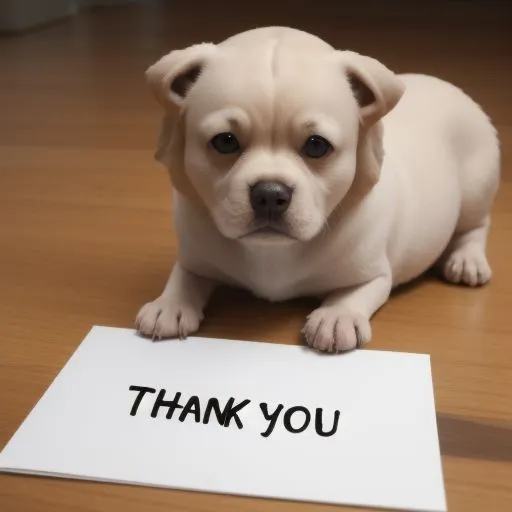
(316, 147)
(225, 143)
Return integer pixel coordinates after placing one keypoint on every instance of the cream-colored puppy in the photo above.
(300, 170)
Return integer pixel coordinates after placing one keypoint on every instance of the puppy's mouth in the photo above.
(269, 232)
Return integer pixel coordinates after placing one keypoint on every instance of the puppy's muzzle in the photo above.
(270, 199)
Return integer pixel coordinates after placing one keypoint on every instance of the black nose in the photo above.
(270, 198)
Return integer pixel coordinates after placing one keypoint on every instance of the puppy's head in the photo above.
(271, 129)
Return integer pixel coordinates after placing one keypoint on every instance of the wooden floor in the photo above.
(86, 235)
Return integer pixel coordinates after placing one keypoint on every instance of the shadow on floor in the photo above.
(469, 438)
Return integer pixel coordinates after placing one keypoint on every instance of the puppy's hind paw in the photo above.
(330, 330)
(467, 265)
(163, 318)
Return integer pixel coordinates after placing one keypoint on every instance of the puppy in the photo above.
(300, 170)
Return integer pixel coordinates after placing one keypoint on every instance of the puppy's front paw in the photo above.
(333, 330)
(164, 318)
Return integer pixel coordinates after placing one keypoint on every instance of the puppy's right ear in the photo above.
(171, 77)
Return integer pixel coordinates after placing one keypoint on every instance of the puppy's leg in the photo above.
(179, 310)
(342, 322)
(465, 261)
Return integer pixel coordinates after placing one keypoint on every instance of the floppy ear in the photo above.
(376, 90)
(171, 77)
(170, 80)
(375, 87)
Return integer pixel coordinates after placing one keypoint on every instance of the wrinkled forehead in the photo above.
(273, 82)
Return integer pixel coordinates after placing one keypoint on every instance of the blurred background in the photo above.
(56, 48)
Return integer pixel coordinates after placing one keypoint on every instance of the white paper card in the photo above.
(356, 429)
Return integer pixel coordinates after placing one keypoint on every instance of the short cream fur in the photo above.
(409, 182)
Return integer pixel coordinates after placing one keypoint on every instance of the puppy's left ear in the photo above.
(376, 88)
